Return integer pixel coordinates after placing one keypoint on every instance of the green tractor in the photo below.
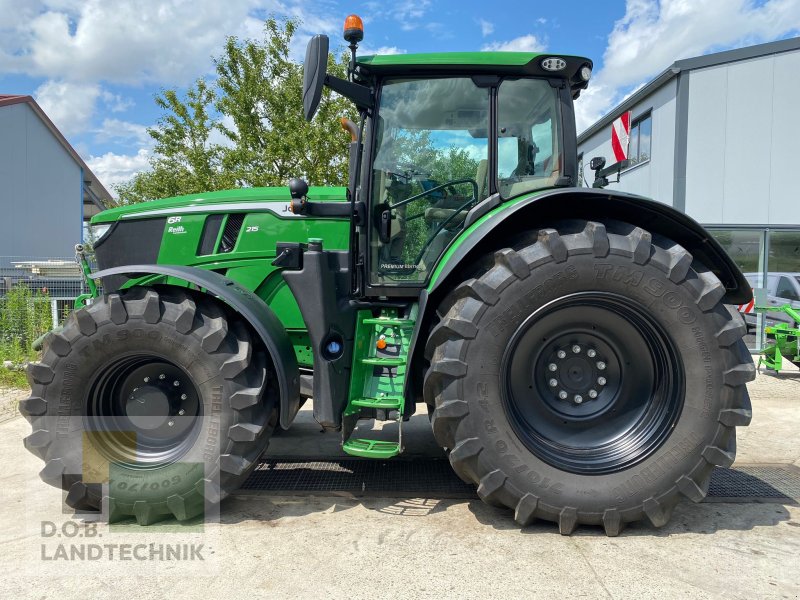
(576, 348)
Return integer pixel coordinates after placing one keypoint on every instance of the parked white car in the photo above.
(781, 288)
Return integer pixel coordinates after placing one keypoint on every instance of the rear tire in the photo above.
(673, 377)
(160, 401)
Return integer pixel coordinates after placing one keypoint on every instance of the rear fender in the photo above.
(491, 230)
(260, 317)
(536, 210)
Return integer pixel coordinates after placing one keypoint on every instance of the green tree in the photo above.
(254, 106)
(185, 159)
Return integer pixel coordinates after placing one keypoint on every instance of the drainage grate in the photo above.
(757, 482)
(397, 477)
(435, 478)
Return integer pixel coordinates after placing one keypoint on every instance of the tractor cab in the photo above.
(443, 139)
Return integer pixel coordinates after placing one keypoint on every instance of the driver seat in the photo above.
(443, 213)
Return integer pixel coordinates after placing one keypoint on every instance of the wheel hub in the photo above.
(576, 372)
(148, 408)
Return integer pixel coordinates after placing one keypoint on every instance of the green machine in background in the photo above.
(785, 336)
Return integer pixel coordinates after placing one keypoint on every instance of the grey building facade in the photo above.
(713, 136)
(48, 191)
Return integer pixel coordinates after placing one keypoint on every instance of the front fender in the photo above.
(260, 317)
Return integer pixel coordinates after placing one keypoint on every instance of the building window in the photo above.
(641, 134)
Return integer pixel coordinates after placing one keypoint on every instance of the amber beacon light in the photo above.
(353, 29)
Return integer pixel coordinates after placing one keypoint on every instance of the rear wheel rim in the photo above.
(593, 384)
(143, 411)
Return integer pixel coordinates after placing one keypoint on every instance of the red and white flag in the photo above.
(621, 135)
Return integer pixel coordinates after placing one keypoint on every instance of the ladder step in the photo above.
(390, 322)
(384, 362)
(385, 402)
(371, 448)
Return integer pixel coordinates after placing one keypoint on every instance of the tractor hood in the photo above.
(210, 202)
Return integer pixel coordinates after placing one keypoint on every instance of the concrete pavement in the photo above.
(332, 547)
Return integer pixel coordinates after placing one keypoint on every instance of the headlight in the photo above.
(96, 232)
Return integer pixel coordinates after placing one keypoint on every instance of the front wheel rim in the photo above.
(593, 384)
(143, 411)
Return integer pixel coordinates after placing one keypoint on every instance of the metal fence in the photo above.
(36, 294)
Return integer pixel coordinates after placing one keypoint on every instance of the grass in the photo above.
(10, 378)
(24, 316)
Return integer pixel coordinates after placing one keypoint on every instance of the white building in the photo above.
(47, 191)
(713, 136)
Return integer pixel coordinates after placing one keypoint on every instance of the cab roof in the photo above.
(501, 63)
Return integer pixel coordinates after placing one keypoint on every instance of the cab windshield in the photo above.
(431, 156)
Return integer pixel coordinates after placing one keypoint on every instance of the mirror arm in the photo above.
(360, 95)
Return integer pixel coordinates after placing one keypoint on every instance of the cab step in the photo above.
(389, 322)
(380, 361)
(384, 402)
(371, 448)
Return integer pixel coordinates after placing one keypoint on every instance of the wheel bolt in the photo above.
(176, 383)
(183, 396)
(563, 395)
(601, 365)
(181, 412)
(552, 366)
(576, 349)
(553, 382)
(591, 353)
(561, 354)
(592, 394)
(162, 376)
(601, 380)
(171, 423)
(578, 399)
(146, 379)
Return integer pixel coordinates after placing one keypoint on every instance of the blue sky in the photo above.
(94, 65)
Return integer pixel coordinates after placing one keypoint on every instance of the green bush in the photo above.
(24, 316)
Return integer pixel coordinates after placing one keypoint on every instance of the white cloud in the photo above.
(116, 102)
(366, 50)
(525, 43)
(487, 27)
(115, 130)
(652, 35)
(81, 46)
(112, 169)
(69, 105)
(133, 42)
(407, 13)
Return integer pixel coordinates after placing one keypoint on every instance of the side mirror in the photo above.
(315, 69)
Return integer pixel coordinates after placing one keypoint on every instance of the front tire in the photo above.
(590, 376)
(158, 399)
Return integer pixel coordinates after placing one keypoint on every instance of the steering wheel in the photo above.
(447, 185)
